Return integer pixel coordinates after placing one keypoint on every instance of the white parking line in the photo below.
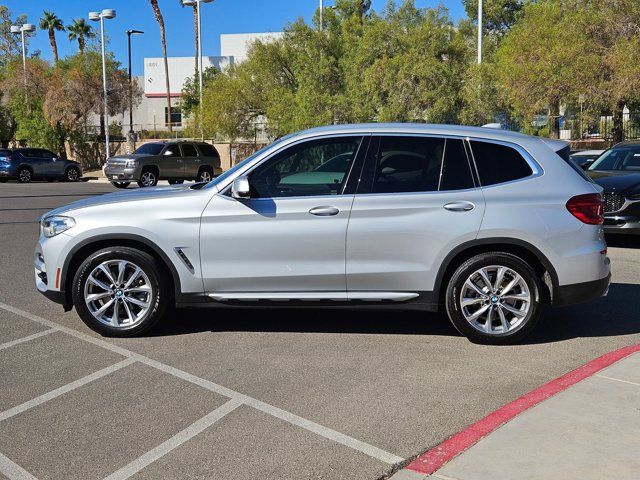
(28, 338)
(13, 470)
(175, 441)
(34, 402)
(618, 380)
(289, 417)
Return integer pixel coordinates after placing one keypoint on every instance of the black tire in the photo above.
(25, 175)
(148, 177)
(160, 297)
(176, 182)
(121, 184)
(204, 175)
(466, 270)
(4, 180)
(72, 174)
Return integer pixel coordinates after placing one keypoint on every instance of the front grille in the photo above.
(613, 202)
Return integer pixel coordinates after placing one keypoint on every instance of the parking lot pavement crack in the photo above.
(28, 338)
(174, 442)
(13, 471)
(328, 433)
(34, 402)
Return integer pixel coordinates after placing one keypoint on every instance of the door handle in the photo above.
(459, 206)
(324, 211)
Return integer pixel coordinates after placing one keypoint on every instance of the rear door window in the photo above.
(498, 163)
(405, 164)
(189, 150)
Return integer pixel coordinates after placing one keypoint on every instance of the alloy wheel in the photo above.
(72, 175)
(205, 176)
(148, 179)
(495, 300)
(24, 175)
(118, 293)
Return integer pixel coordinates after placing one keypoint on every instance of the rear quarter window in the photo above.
(498, 163)
(208, 150)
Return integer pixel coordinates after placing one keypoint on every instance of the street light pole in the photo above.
(196, 3)
(131, 132)
(479, 32)
(23, 30)
(100, 16)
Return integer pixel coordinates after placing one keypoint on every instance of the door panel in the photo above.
(291, 235)
(171, 166)
(191, 160)
(397, 236)
(273, 245)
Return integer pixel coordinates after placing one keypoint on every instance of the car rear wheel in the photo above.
(494, 298)
(24, 175)
(119, 292)
(149, 178)
(72, 174)
(121, 184)
(204, 175)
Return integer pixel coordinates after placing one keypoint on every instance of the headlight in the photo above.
(131, 164)
(52, 226)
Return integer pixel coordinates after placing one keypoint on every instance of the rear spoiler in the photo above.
(561, 147)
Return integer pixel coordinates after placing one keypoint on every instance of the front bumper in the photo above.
(6, 171)
(48, 283)
(116, 174)
(581, 292)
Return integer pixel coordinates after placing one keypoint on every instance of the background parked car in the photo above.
(585, 158)
(26, 164)
(618, 172)
(172, 161)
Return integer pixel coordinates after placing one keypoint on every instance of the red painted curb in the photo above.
(432, 460)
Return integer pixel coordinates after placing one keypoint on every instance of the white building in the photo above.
(152, 112)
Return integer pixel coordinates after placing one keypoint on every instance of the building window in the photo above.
(176, 116)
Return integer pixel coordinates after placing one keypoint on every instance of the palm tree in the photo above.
(80, 30)
(51, 22)
(163, 41)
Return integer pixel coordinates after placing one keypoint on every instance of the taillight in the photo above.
(587, 208)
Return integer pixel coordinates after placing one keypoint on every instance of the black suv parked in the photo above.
(26, 164)
(172, 161)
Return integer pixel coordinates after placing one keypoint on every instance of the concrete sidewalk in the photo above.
(591, 430)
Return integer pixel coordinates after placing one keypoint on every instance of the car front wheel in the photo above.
(149, 178)
(24, 175)
(119, 291)
(494, 298)
(204, 175)
(72, 174)
(121, 184)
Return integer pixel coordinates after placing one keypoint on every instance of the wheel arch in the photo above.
(86, 247)
(522, 249)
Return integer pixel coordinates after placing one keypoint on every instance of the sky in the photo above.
(221, 16)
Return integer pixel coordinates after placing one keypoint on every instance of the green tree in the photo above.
(52, 23)
(190, 90)
(9, 42)
(498, 16)
(80, 30)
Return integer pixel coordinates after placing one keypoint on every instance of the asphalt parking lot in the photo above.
(269, 394)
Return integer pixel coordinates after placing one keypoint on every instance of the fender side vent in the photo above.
(185, 259)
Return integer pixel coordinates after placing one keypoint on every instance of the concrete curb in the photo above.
(432, 460)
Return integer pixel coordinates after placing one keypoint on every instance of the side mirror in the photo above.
(587, 164)
(241, 188)
(167, 153)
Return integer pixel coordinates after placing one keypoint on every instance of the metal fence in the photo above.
(602, 129)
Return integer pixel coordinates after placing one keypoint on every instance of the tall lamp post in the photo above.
(132, 135)
(196, 3)
(23, 30)
(479, 32)
(100, 17)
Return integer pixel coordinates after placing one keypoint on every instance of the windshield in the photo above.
(150, 149)
(222, 177)
(625, 158)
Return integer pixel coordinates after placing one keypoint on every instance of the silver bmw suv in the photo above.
(484, 224)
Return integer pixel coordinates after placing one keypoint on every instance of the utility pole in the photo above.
(479, 32)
